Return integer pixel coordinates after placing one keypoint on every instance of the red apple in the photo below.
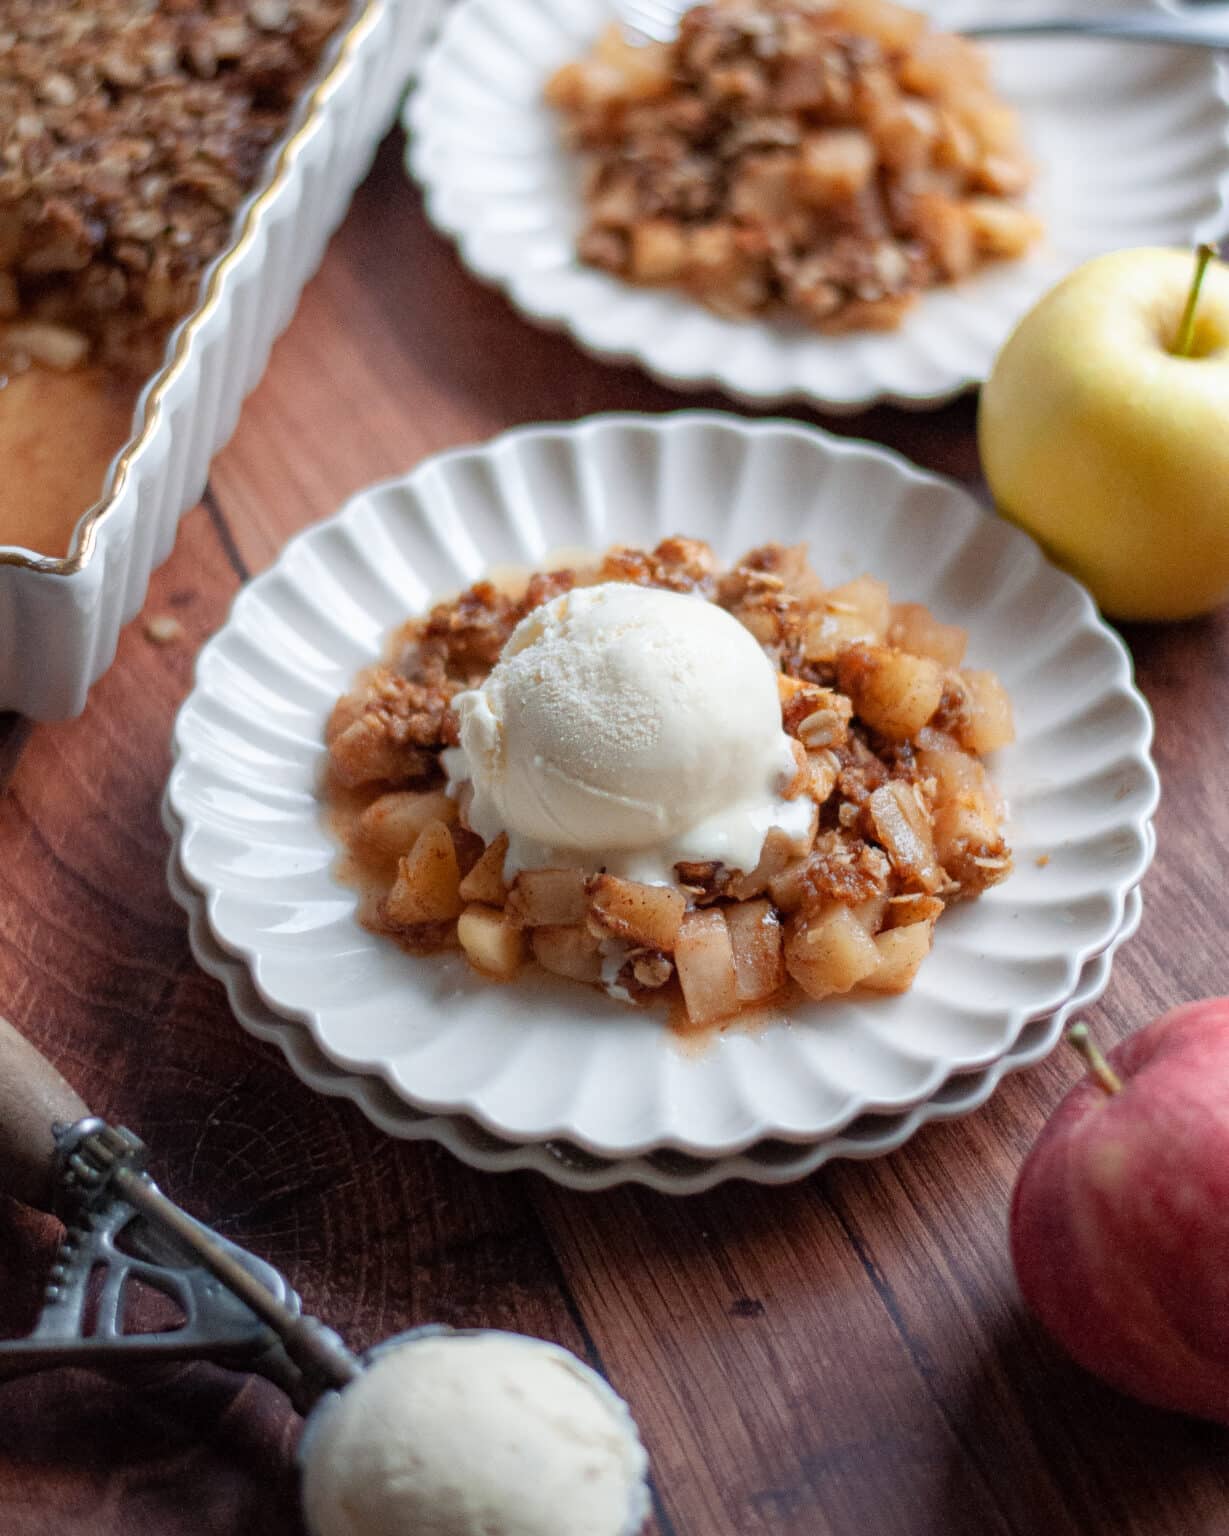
(1120, 1216)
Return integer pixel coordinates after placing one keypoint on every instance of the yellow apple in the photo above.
(1110, 447)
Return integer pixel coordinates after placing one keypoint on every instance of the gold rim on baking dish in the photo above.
(85, 534)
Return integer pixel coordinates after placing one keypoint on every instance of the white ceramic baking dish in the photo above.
(60, 618)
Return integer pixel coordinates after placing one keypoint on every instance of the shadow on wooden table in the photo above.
(1092, 1461)
(464, 340)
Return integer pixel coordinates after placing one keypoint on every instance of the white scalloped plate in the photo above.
(1132, 144)
(670, 1173)
(542, 1059)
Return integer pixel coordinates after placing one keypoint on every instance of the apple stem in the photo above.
(1186, 331)
(1098, 1067)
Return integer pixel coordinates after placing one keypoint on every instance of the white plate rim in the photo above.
(571, 1168)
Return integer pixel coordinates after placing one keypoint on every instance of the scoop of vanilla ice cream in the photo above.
(474, 1434)
(627, 728)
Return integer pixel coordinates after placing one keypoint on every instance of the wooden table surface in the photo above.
(847, 1355)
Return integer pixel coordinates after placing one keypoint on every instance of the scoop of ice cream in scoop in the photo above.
(474, 1434)
(627, 728)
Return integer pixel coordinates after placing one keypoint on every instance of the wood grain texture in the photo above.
(844, 1356)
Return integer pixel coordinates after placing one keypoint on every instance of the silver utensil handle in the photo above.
(1204, 28)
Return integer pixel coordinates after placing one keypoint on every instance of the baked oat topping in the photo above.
(130, 132)
(832, 158)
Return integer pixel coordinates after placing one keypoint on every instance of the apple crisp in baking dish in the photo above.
(130, 133)
(673, 781)
(827, 158)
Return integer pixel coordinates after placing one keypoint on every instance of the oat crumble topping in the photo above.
(130, 132)
(829, 158)
(889, 729)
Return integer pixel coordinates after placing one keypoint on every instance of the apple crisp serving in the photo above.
(826, 158)
(886, 731)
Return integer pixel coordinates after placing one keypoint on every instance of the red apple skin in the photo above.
(1120, 1217)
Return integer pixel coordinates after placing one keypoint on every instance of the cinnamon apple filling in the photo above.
(673, 781)
(826, 158)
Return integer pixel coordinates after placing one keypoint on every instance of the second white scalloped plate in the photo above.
(670, 1173)
(542, 1060)
(1132, 145)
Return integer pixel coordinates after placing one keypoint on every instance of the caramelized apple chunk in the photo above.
(704, 959)
(428, 884)
(548, 898)
(900, 954)
(568, 951)
(485, 881)
(390, 825)
(492, 943)
(756, 941)
(636, 913)
(894, 692)
(828, 951)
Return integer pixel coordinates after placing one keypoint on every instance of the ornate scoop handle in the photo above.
(122, 1229)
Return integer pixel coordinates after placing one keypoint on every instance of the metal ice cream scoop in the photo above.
(240, 1312)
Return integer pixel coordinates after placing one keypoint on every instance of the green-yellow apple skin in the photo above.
(1108, 448)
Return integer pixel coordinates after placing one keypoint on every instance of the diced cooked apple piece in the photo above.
(390, 825)
(616, 72)
(985, 723)
(915, 629)
(894, 692)
(1002, 229)
(704, 959)
(912, 907)
(548, 898)
(904, 131)
(872, 913)
(896, 28)
(945, 225)
(713, 255)
(762, 187)
(658, 251)
(568, 951)
(969, 844)
(857, 610)
(349, 708)
(955, 773)
(645, 67)
(902, 826)
(833, 165)
(791, 889)
(777, 854)
(756, 937)
(829, 951)
(492, 943)
(636, 913)
(485, 882)
(901, 951)
(942, 64)
(427, 887)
